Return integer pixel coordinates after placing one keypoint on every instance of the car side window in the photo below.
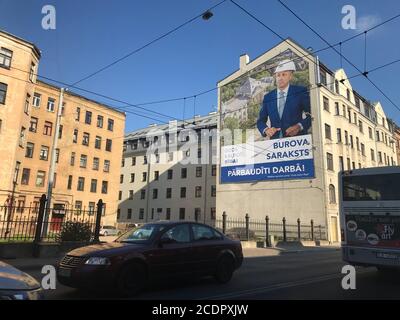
(178, 234)
(204, 233)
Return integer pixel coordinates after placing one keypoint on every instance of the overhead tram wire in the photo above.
(344, 57)
(148, 44)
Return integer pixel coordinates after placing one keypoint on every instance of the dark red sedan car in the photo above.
(150, 252)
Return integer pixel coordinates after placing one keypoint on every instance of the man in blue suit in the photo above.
(284, 107)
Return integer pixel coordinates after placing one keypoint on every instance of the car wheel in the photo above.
(225, 268)
(131, 280)
(105, 233)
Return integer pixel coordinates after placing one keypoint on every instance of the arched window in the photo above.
(332, 194)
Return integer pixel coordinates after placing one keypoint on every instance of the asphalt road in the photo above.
(303, 275)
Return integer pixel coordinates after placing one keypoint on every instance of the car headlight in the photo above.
(98, 261)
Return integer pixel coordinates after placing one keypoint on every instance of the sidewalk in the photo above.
(286, 249)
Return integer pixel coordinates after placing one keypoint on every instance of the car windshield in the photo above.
(141, 234)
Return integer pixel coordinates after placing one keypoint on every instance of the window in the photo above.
(69, 185)
(57, 155)
(169, 193)
(97, 142)
(348, 94)
(88, 117)
(170, 156)
(199, 172)
(121, 178)
(328, 134)
(213, 213)
(129, 216)
(51, 104)
(133, 161)
(104, 187)
(349, 114)
(348, 164)
(72, 160)
(36, 100)
(142, 194)
(44, 153)
(363, 149)
(346, 138)
(3, 93)
(182, 213)
(144, 177)
(81, 184)
(83, 161)
(341, 164)
(380, 156)
(155, 193)
(337, 108)
(29, 150)
(5, 58)
(344, 110)
(120, 195)
(25, 176)
(132, 177)
(110, 125)
(156, 175)
(106, 166)
(168, 214)
(337, 86)
(75, 136)
(198, 192)
(353, 165)
(78, 206)
(329, 158)
(78, 114)
(351, 142)
(370, 133)
(92, 206)
(183, 173)
(96, 163)
(141, 214)
(144, 159)
(372, 155)
(85, 140)
(358, 143)
(204, 233)
(26, 107)
(183, 192)
(130, 194)
(213, 191)
(339, 135)
(40, 178)
(100, 120)
(213, 170)
(108, 145)
(32, 72)
(360, 126)
(60, 131)
(326, 103)
(170, 174)
(93, 185)
(22, 135)
(48, 128)
(332, 194)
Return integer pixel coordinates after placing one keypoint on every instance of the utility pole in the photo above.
(52, 165)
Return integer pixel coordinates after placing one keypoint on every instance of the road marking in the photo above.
(278, 286)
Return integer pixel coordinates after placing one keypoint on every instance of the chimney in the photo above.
(244, 60)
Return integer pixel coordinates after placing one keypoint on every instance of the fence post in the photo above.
(98, 220)
(298, 229)
(284, 229)
(312, 230)
(224, 222)
(39, 225)
(267, 231)
(247, 227)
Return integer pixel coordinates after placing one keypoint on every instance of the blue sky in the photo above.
(93, 33)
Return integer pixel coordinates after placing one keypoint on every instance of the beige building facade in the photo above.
(89, 140)
(347, 132)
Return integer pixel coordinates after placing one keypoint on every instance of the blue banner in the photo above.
(297, 169)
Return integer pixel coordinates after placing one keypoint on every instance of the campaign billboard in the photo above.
(266, 122)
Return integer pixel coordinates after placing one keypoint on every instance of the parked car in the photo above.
(17, 285)
(109, 231)
(240, 233)
(152, 252)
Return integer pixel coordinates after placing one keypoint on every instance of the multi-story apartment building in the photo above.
(397, 139)
(348, 132)
(158, 184)
(89, 146)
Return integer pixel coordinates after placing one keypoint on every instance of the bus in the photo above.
(370, 217)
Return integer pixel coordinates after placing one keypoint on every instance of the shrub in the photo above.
(75, 231)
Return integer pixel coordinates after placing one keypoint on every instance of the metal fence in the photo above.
(38, 223)
(253, 229)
